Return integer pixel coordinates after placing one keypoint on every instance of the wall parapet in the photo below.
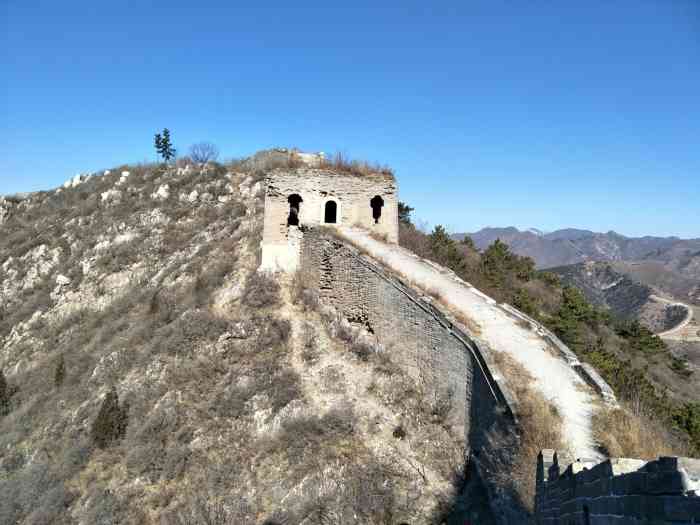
(589, 374)
(617, 490)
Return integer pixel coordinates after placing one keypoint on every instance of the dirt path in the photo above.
(677, 332)
(554, 378)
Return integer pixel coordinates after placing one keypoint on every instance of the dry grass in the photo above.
(540, 428)
(342, 164)
(621, 433)
(522, 323)
(462, 318)
(381, 237)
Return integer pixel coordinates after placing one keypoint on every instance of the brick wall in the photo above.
(427, 343)
(617, 491)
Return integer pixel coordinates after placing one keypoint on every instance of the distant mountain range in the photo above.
(669, 264)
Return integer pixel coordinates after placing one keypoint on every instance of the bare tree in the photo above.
(204, 152)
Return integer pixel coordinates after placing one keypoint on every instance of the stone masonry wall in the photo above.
(351, 193)
(617, 491)
(429, 345)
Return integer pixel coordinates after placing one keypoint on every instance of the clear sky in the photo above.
(493, 113)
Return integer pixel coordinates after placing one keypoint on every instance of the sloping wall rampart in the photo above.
(427, 343)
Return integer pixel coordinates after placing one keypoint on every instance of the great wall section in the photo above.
(450, 345)
(617, 491)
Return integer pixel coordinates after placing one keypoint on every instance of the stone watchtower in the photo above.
(299, 198)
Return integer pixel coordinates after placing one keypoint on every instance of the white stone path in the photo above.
(557, 381)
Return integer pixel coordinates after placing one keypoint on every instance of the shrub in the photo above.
(4, 395)
(620, 433)
(204, 152)
(301, 439)
(261, 290)
(273, 332)
(354, 167)
(384, 365)
(309, 352)
(60, 372)
(285, 387)
(399, 432)
(111, 421)
(442, 404)
(118, 257)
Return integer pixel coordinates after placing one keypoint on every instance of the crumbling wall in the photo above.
(351, 193)
(619, 490)
(427, 343)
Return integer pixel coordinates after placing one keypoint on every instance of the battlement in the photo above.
(618, 490)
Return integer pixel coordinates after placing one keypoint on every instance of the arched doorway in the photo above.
(330, 212)
(376, 203)
(294, 201)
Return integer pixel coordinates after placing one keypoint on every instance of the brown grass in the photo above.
(621, 433)
(540, 428)
(471, 325)
(342, 164)
(381, 237)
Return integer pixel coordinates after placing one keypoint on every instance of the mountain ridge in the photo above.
(669, 264)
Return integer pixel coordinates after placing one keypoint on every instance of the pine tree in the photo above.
(60, 373)
(163, 146)
(446, 250)
(110, 423)
(405, 213)
(4, 395)
(158, 143)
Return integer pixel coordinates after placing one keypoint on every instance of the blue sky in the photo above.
(521, 112)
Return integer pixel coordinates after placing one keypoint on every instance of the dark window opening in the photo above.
(330, 214)
(376, 203)
(362, 320)
(294, 201)
(586, 515)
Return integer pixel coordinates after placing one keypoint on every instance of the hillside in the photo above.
(669, 264)
(624, 297)
(152, 376)
(652, 380)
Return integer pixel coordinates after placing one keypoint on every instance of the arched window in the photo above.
(376, 203)
(330, 213)
(294, 201)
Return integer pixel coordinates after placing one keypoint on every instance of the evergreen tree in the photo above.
(468, 242)
(404, 213)
(60, 373)
(446, 250)
(164, 146)
(4, 395)
(110, 423)
(158, 143)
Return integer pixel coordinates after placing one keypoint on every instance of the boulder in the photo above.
(62, 280)
(162, 193)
